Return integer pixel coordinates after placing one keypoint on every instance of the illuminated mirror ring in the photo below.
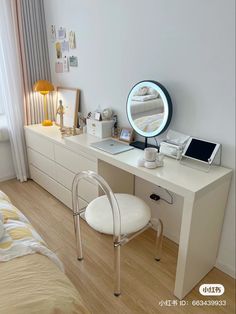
(149, 108)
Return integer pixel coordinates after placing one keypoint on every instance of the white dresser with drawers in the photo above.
(53, 165)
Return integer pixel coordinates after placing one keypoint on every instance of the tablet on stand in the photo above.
(201, 154)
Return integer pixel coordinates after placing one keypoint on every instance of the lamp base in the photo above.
(47, 123)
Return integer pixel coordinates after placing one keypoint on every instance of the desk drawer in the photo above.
(42, 163)
(53, 187)
(39, 144)
(73, 161)
(87, 190)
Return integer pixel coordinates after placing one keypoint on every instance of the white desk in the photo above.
(205, 197)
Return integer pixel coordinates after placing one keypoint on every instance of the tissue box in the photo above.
(171, 150)
(99, 129)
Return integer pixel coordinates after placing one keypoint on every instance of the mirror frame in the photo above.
(167, 107)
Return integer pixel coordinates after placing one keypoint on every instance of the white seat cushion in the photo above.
(135, 214)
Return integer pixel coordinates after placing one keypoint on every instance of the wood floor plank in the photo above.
(144, 281)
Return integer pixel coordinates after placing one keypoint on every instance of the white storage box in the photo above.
(99, 129)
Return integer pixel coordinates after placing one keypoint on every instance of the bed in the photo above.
(139, 108)
(31, 278)
(149, 123)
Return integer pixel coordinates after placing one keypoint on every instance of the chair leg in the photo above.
(117, 269)
(159, 239)
(79, 250)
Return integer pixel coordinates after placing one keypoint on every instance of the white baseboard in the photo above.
(7, 178)
(226, 269)
(170, 236)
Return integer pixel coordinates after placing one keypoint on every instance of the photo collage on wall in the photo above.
(64, 44)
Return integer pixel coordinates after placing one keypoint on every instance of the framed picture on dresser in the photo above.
(69, 99)
(126, 135)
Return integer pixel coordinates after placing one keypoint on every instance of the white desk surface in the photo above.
(205, 197)
(174, 176)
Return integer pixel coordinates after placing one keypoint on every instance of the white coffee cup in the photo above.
(150, 154)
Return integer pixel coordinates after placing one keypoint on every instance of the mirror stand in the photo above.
(143, 145)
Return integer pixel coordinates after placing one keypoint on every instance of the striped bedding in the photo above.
(19, 237)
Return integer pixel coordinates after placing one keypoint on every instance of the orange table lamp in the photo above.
(44, 87)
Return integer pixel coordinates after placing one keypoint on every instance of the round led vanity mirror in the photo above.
(149, 110)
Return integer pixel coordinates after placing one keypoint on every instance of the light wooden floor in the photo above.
(145, 282)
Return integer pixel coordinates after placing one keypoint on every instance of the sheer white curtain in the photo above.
(11, 84)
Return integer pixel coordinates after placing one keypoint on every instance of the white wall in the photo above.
(6, 163)
(187, 45)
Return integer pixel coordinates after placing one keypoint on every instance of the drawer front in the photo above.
(53, 187)
(42, 163)
(74, 162)
(63, 176)
(39, 144)
(87, 190)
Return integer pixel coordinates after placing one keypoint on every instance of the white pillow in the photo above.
(153, 91)
(142, 91)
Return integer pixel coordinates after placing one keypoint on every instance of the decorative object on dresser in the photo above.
(107, 114)
(99, 129)
(69, 98)
(65, 131)
(149, 110)
(123, 216)
(126, 135)
(151, 158)
(201, 154)
(174, 144)
(60, 112)
(44, 87)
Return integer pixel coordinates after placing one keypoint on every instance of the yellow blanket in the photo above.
(19, 237)
(31, 283)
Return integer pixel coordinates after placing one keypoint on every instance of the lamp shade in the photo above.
(43, 87)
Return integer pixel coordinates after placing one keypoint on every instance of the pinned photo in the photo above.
(61, 33)
(59, 67)
(64, 46)
(65, 64)
(53, 33)
(58, 50)
(73, 61)
(72, 40)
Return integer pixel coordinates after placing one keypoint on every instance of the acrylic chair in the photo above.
(122, 215)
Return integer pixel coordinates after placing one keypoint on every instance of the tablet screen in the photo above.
(200, 150)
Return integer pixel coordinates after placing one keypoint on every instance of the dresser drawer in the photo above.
(53, 187)
(39, 144)
(42, 163)
(74, 162)
(63, 176)
(87, 190)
